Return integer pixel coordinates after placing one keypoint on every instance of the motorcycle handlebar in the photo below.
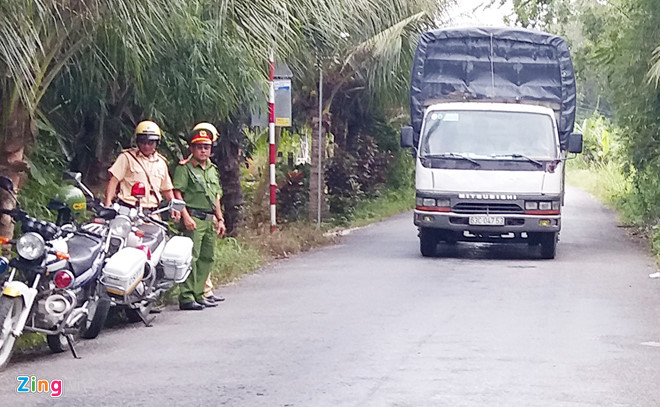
(158, 222)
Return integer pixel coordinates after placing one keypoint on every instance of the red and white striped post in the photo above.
(271, 140)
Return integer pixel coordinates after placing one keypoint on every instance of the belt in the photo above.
(146, 211)
(201, 214)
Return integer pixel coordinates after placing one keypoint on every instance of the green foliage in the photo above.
(293, 195)
(390, 202)
(601, 141)
(371, 165)
(45, 177)
(655, 241)
(401, 174)
(343, 183)
(234, 258)
(365, 175)
(615, 50)
(606, 182)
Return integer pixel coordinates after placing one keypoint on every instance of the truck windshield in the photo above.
(489, 134)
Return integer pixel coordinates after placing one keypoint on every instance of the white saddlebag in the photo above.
(124, 270)
(177, 258)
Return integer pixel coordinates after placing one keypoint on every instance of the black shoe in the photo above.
(215, 298)
(191, 306)
(207, 303)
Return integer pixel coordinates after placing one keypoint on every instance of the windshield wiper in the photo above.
(531, 160)
(455, 156)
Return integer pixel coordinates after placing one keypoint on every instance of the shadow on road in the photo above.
(488, 251)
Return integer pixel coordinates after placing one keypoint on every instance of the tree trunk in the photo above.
(228, 159)
(314, 201)
(18, 132)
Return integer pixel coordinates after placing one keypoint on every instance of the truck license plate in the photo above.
(486, 220)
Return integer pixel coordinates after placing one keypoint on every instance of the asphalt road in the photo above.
(369, 322)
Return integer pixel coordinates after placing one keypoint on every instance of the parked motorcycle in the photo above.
(145, 261)
(52, 286)
(65, 203)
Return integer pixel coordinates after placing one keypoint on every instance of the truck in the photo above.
(492, 112)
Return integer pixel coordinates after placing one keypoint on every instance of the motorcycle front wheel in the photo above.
(98, 313)
(57, 343)
(10, 310)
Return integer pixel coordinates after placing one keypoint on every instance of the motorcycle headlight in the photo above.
(120, 227)
(30, 246)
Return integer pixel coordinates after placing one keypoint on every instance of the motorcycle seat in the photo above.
(153, 236)
(83, 250)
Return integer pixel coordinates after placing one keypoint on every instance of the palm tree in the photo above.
(361, 46)
(41, 40)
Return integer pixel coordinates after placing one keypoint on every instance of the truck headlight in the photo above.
(531, 205)
(120, 227)
(545, 205)
(428, 202)
(31, 246)
(443, 202)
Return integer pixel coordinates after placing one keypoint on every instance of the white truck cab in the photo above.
(487, 169)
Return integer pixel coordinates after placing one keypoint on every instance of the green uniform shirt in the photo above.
(197, 185)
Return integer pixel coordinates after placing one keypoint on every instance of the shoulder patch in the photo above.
(162, 157)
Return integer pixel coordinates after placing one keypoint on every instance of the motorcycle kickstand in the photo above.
(147, 321)
(69, 340)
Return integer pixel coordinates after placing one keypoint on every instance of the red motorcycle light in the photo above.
(138, 190)
(4, 240)
(63, 279)
(146, 250)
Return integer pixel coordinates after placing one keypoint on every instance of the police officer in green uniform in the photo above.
(196, 181)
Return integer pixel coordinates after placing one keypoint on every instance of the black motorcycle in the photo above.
(53, 285)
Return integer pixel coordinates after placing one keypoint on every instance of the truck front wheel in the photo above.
(428, 242)
(548, 245)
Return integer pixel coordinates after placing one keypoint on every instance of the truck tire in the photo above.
(548, 245)
(428, 243)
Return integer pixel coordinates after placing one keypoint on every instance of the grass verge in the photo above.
(614, 189)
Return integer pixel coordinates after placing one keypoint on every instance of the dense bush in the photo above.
(343, 183)
(292, 195)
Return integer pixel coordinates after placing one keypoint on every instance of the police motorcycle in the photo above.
(145, 261)
(52, 284)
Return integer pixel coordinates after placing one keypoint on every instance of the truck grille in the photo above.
(484, 207)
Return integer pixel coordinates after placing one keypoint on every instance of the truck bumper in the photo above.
(516, 226)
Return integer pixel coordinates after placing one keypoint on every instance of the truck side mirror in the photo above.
(575, 143)
(406, 137)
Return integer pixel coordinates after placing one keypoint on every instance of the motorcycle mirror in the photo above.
(72, 176)
(177, 204)
(7, 184)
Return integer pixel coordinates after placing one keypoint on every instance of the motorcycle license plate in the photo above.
(486, 220)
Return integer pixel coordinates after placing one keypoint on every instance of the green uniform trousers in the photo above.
(203, 255)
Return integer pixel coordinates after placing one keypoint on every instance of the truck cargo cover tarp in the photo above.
(493, 64)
